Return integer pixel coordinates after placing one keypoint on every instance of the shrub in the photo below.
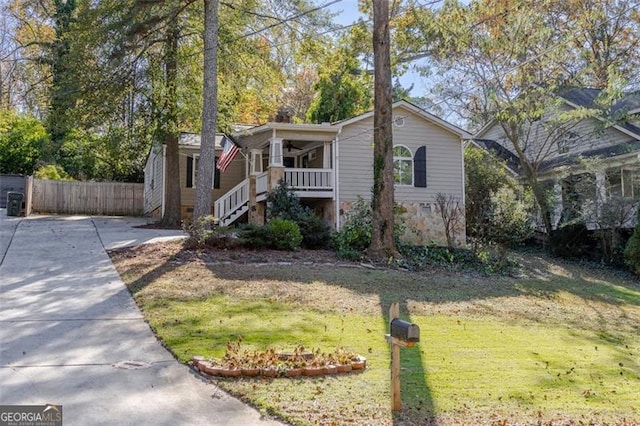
(204, 232)
(254, 236)
(497, 207)
(487, 261)
(283, 234)
(315, 232)
(283, 203)
(355, 235)
(52, 172)
(632, 249)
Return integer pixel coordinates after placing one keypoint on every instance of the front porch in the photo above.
(301, 155)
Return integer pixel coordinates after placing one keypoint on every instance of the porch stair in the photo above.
(233, 204)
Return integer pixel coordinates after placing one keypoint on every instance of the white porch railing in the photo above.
(262, 183)
(309, 179)
(232, 202)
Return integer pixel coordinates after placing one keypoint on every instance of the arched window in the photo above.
(402, 165)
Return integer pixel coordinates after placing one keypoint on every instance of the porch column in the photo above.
(256, 210)
(557, 204)
(256, 161)
(326, 156)
(276, 165)
(275, 152)
(601, 191)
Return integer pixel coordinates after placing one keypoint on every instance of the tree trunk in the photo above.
(209, 111)
(540, 196)
(172, 197)
(382, 242)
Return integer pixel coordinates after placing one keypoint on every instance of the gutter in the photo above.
(336, 186)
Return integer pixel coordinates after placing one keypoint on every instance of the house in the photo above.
(329, 166)
(189, 149)
(590, 161)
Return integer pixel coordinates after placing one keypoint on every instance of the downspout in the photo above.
(462, 145)
(336, 185)
(464, 190)
(164, 175)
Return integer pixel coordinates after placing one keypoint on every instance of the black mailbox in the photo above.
(405, 331)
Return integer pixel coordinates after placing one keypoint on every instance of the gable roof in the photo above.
(193, 139)
(416, 110)
(511, 160)
(585, 97)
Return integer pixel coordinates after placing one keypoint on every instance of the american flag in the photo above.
(229, 151)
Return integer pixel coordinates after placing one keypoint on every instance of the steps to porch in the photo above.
(306, 183)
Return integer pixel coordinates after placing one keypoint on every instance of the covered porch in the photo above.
(302, 155)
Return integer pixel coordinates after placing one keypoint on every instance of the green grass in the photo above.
(562, 343)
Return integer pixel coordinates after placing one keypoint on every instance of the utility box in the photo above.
(405, 331)
(14, 203)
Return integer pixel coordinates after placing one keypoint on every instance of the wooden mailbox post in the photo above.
(401, 333)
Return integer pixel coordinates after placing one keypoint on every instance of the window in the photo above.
(623, 182)
(192, 171)
(402, 165)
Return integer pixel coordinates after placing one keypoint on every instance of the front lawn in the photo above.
(559, 344)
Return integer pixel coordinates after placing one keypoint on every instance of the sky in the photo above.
(347, 13)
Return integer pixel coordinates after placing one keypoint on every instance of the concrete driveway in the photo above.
(71, 334)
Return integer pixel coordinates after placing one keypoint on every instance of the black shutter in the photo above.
(216, 174)
(420, 168)
(189, 172)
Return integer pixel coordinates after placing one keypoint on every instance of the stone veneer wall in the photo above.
(423, 224)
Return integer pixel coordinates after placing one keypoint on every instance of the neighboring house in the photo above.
(589, 162)
(330, 165)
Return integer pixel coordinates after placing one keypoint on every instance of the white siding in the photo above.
(153, 180)
(444, 158)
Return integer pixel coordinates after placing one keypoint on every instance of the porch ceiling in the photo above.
(258, 137)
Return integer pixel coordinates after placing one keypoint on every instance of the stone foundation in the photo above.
(423, 225)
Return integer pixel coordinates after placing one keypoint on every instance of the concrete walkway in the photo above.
(71, 334)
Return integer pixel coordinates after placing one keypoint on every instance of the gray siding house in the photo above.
(329, 166)
(590, 161)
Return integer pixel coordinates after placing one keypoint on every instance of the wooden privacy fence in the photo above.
(91, 198)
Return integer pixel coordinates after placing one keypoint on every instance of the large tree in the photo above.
(382, 235)
(209, 111)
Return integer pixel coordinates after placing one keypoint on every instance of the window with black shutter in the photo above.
(189, 172)
(420, 168)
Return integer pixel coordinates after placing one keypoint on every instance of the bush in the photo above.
(52, 172)
(254, 236)
(315, 232)
(355, 235)
(497, 207)
(283, 234)
(487, 261)
(284, 204)
(205, 232)
(632, 249)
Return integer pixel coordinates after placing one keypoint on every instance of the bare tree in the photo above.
(452, 214)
